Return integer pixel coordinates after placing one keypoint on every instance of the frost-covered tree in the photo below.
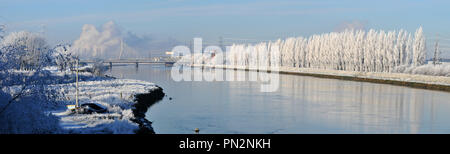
(63, 58)
(2, 30)
(419, 48)
(351, 50)
(25, 50)
(437, 53)
(23, 94)
(1, 51)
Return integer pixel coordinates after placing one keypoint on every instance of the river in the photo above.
(302, 104)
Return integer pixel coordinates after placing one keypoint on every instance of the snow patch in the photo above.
(116, 95)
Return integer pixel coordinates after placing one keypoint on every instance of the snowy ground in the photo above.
(416, 78)
(116, 95)
(42, 106)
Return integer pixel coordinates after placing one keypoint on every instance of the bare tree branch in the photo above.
(14, 98)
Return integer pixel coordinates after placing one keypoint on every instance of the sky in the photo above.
(233, 20)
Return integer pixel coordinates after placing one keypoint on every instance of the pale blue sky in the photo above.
(243, 19)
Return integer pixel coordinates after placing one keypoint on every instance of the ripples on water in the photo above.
(301, 105)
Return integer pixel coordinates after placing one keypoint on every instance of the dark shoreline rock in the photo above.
(143, 102)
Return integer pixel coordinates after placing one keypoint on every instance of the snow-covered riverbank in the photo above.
(42, 108)
(116, 95)
(412, 80)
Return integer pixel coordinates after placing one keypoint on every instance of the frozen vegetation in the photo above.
(391, 55)
(37, 82)
(428, 69)
(372, 51)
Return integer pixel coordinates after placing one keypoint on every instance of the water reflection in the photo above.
(301, 105)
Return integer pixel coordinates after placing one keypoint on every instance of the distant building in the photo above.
(169, 53)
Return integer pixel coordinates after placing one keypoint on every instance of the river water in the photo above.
(302, 104)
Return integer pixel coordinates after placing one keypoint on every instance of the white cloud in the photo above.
(106, 42)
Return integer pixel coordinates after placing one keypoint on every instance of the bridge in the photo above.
(168, 61)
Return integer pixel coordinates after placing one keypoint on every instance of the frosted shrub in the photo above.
(24, 50)
(25, 115)
(428, 69)
(98, 68)
(63, 58)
